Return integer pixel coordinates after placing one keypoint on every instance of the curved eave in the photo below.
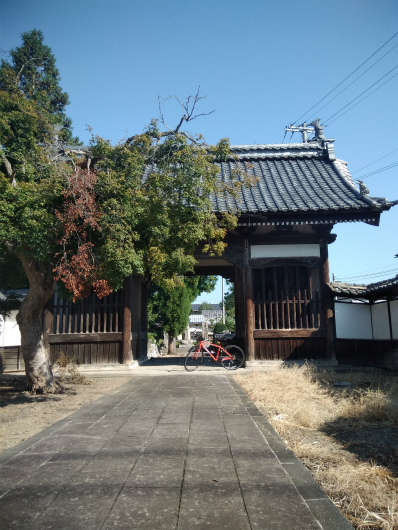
(318, 217)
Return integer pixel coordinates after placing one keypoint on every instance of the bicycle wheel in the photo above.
(193, 359)
(237, 360)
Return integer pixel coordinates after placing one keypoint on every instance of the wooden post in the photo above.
(327, 301)
(143, 343)
(249, 306)
(127, 354)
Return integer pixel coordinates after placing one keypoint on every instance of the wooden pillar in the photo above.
(143, 342)
(127, 354)
(327, 301)
(248, 302)
(239, 320)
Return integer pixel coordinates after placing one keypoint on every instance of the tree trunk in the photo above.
(172, 346)
(39, 375)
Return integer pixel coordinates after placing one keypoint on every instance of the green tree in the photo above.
(12, 275)
(169, 309)
(205, 306)
(141, 207)
(32, 71)
(229, 305)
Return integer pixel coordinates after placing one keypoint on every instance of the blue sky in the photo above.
(261, 64)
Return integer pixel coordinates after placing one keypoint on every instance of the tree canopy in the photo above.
(205, 305)
(90, 217)
(169, 308)
(32, 73)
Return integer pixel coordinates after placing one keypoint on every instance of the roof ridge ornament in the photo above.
(318, 129)
(314, 127)
(363, 189)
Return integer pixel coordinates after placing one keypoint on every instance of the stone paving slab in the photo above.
(162, 452)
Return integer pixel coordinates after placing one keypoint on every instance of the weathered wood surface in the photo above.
(288, 311)
(90, 315)
(363, 352)
(11, 359)
(88, 352)
(289, 349)
(61, 338)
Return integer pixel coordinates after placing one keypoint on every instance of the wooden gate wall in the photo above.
(89, 330)
(285, 314)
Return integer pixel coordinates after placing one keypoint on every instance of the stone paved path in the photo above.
(162, 452)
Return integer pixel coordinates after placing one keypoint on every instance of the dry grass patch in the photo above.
(346, 435)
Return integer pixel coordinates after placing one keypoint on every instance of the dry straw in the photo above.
(344, 435)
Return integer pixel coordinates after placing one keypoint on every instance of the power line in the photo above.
(381, 269)
(383, 273)
(365, 276)
(374, 161)
(377, 271)
(345, 79)
(352, 82)
(362, 98)
(378, 171)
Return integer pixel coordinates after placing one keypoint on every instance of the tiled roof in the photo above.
(369, 291)
(294, 178)
(297, 183)
(195, 307)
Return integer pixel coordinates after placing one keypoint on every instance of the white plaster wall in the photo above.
(394, 318)
(9, 331)
(285, 251)
(353, 321)
(381, 325)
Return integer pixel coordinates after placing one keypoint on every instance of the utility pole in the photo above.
(223, 302)
(313, 128)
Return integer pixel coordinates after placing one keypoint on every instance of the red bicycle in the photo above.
(231, 357)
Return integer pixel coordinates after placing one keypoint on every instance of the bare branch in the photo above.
(188, 108)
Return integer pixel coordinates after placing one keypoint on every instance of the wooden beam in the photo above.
(288, 333)
(61, 338)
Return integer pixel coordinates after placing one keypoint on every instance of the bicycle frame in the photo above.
(217, 354)
(231, 357)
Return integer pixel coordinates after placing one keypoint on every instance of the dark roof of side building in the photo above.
(195, 307)
(382, 289)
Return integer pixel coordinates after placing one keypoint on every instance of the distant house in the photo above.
(10, 336)
(211, 315)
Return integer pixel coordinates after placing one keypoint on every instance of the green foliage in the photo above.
(148, 226)
(205, 305)
(229, 306)
(169, 308)
(179, 215)
(33, 74)
(229, 301)
(12, 275)
(219, 327)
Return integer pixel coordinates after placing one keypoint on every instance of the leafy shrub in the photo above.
(219, 327)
